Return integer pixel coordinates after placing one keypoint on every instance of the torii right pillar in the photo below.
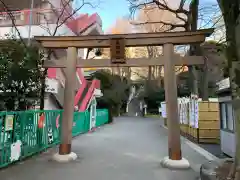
(174, 158)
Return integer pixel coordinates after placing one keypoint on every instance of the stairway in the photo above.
(84, 91)
(133, 104)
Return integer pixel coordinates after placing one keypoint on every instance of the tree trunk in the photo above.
(149, 73)
(159, 78)
(204, 80)
(42, 91)
(110, 115)
(235, 74)
(116, 70)
(127, 71)
(193, 81)
(193, 48)
(230, 11)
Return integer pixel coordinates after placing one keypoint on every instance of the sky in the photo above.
(110, 10)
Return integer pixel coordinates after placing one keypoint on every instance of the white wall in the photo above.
(49, 104)
(43, 30)
(81, 53)
(228, 143)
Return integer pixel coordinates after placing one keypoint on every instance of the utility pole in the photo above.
(193, 48)
(30, 22)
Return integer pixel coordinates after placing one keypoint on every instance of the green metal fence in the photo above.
(80, 123)
(25, 133)
(101, 117)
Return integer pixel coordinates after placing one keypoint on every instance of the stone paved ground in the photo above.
(129, 149)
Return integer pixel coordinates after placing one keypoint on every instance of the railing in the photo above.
(81, 123)
(101, 117)
(39, 16)
(25, 133)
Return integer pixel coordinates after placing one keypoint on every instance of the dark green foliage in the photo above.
(183, 91)
(153, 98)
(19, 74)
(115, 91)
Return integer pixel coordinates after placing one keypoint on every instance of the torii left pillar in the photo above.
(174, 159)
(65, 154)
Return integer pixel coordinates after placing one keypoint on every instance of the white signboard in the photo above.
(191, 111)
(186, 105)
(51, 85)
(163, 108)
(159, 110)
(183, 110)
(15, 151)
(196, 113)
(224, 84)
(98, 93)
(9, 122)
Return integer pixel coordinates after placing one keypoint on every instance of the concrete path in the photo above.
(129, 149)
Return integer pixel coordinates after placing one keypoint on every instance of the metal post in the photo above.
(68, 106)
(30, 22)
(174, 144)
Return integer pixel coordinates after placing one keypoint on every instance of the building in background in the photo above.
(29, 18)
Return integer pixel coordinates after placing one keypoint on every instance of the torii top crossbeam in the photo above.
(131, 40)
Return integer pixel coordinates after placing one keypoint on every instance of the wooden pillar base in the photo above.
(64, 149)
(175, 164)
(174, 155)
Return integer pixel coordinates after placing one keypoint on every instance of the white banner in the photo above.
(180, 110)
(185, 110)
(163, 108)
(193, 111)
(196, 112)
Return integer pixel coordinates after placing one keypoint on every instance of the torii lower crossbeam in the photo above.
(134, 62)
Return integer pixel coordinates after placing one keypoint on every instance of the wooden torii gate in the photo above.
(117, 44)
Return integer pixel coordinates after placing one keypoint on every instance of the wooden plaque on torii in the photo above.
(117, 49)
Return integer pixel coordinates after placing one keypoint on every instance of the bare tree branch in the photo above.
(139, 75)
(60, 16)
(173, 26)
(76, 10)
(182, 3)
(181, 14)
(164, 6)
(134, 7)
(180, 69)
(13, 21)
(61, 19)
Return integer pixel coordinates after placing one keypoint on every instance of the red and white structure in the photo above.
(53, 18)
